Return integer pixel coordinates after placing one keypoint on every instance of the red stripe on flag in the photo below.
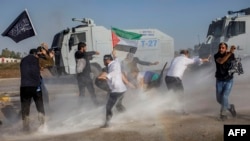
(115, 39)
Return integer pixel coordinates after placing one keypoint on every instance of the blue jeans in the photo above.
(223, 90)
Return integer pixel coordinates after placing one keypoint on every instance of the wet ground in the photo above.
(150, 115)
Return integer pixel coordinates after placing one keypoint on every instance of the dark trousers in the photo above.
(114, 98)
(174, 83)
(86, 82)
(26, 95)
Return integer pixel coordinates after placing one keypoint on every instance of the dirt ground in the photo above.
(9, 73)
(149, 119)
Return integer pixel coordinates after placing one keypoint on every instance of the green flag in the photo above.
(125, 40)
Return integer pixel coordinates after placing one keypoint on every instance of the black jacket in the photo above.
(222, 70)
(87, 56)
(30, 71)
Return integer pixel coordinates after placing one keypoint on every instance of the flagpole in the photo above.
(39, 42)
(30, 20)
(32, 26)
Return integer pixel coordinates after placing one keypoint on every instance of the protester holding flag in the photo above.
(46, 59)
(45, 62)
(116, 84)
(128, 41)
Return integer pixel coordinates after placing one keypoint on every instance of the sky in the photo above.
(186, 21)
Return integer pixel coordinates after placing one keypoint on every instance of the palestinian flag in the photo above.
(124, 40)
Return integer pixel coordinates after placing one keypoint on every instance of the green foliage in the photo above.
(11, 54)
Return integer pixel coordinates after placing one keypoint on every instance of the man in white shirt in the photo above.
(116, 84)
(177, 68)
(175, 73)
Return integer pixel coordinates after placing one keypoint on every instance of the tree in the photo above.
(18, 55)
(7, 53)
(12, 54)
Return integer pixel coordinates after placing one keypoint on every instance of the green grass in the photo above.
(9, 66)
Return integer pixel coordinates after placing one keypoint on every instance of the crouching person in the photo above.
(146, 79)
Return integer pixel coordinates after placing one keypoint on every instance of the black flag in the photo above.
(20, 29)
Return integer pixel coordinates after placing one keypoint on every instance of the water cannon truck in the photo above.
(233, 29)
(153, 46)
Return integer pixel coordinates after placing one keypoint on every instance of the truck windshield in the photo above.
(216, 28)
(235, 28)
(57, 41)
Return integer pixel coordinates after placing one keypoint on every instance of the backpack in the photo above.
(236, 67)
(80, 65)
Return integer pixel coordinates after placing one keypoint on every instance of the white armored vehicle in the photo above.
(153, 46)
(233, 29)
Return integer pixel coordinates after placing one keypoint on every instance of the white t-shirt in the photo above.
(115, 77)
(179, 65)
(80, 65)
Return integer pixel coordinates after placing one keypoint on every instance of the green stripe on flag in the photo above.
(126, 34)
